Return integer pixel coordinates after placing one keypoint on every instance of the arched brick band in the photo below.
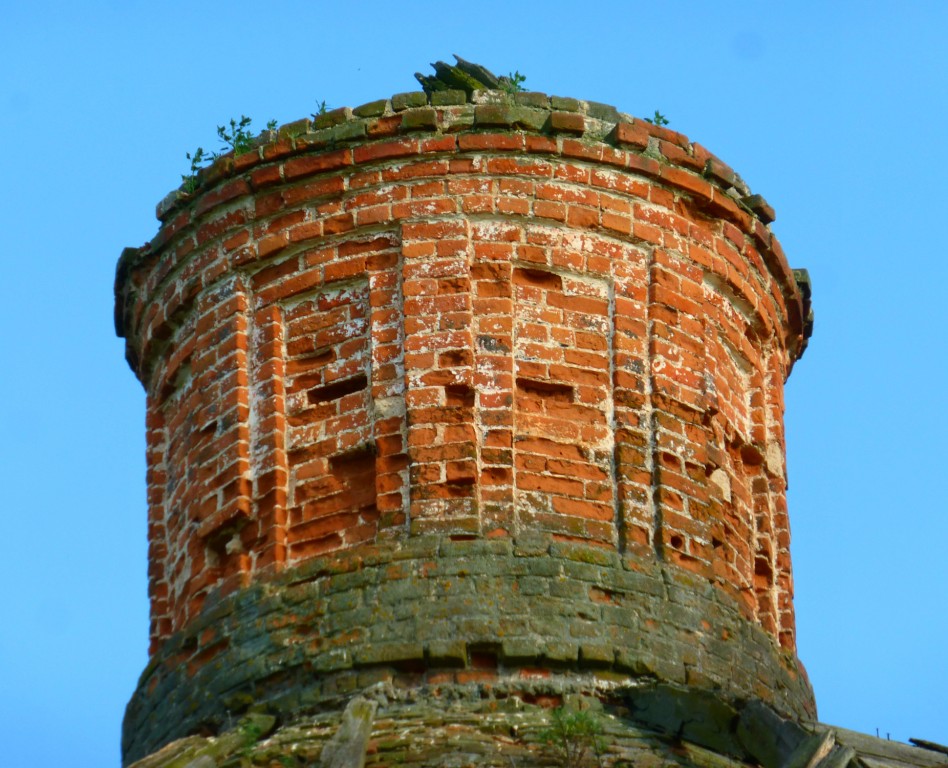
(387, 343)
(440, 613)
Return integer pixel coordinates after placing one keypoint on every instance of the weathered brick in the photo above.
(421, 119)
(307, 165)
(402, 101)
(567, 122)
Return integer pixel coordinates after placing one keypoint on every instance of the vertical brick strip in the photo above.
(158, 587)
(677, 383)
(775, 452)
(388, 384)
(493, 382)
(224, 532)
(633, 424)
(765, 554)
(439, 376)
(563, 403)
(330, 420)
(199, 401)
(652, 464)
(268, 436)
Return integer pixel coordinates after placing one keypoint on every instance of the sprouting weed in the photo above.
(239, 139)
(321, 109)
(657, 119)
(198, 159)
(236, 137)
(513, 82)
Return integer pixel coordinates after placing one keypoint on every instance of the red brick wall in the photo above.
(476, 320)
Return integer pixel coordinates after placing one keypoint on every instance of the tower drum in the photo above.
(458, 388)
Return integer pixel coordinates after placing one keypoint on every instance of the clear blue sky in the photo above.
(835, 112)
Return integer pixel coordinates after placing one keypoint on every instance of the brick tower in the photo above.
(462, 393)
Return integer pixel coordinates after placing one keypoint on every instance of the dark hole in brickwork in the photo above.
(205, 730)
(219, 558)
(485, 656)
(175, 383)
(547, 701)
(412, 670)
(483, 660)
(357, 455)
(548, 390)
(751, 455)
(454, 358)
(457, 488)
(308, 368)
(676, 541)
(437, 662)
(539, 278)
(355, 472)
(763, 573)
(337, 389)
(303, 454)
(167, 328)
(459, 396)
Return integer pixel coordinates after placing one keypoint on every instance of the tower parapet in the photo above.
(462, 387)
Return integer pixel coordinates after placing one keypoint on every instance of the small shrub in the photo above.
(250, 732)
(239, 140)
(198, 159)
(574, 734)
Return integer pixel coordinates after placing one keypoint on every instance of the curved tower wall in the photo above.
(450, 389)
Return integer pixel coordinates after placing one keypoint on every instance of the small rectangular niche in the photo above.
(337, 390)
(538, 278)
(459, 396)
(354, 471)
(546, 390)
